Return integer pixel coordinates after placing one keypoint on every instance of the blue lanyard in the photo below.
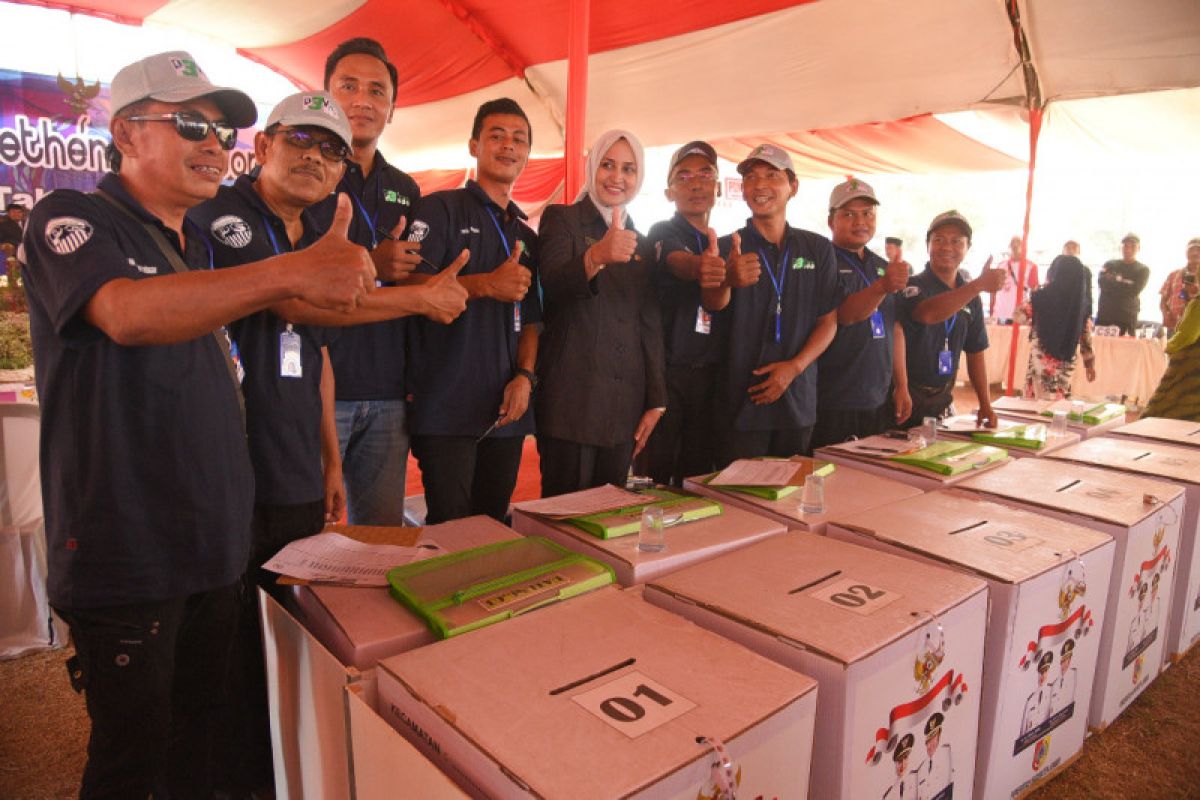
(494, 217)
(854, 263)
(777, 284)
(949, 326)
(270, 234)
(701, 241)
(371, 221)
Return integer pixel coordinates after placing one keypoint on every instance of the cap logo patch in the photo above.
(185, 67)
(316, 102)
(65, 235)
(232, 231)
(418, 230)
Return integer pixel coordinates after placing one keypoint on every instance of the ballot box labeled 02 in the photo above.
(603, 696)
(845, 490)
(1143, 516)
(896, 646)
(1180, 466)
(1048, 588)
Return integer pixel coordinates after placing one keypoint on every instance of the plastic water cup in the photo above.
(916, 438)
(812, 498)
(929, 429)
(1058, 424)
(652, 538)
(1077, 408)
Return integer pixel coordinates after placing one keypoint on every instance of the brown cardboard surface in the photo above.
(1174, 431)
(495, 687)
(758, 586)
(951, 526)
(1168, 461)
(1091, 492)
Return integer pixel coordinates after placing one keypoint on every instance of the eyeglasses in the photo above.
(194, 127)
(705, 176)
(332, 149)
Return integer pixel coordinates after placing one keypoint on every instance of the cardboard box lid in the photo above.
(772, 585)
(957, 527)
(1096, 493)
(1175, 430)
(1172, 462)
(510, 688)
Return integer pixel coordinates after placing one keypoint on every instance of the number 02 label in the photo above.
(857, 596)
(634, 704)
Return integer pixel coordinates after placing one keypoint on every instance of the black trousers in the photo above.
(836, 425)
(928, 401)
(153, 676)
(733, 445)
(571, 466)
(463, 477)
(682, 443)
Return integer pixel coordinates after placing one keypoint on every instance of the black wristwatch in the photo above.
(533, 381)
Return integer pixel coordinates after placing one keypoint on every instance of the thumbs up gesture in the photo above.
(741, 269)
(334, 272)
(510, 281)
(711, 272)
(991, 279)
(895, 276)
(617, 245)
(395, 258)
(446, 298)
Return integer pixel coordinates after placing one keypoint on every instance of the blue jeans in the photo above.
(374, 445)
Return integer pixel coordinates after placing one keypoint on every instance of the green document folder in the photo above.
(462, 591)
(1029, 437)
(677, 509)
(1101, 412)
(951, 458)
(822, 468)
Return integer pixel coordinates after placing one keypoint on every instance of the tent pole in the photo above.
(1035, 130)
(577, 83)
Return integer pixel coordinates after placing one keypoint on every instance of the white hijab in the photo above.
(596, 155)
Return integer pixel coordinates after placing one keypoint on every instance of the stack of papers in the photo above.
(768, 478)
(1029, 437)
(951, 458)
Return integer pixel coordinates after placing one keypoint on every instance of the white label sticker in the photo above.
(855, 595)
(1005, 539)
(634, 704)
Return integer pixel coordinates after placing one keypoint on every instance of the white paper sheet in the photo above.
(333, 558)
(875, 446)
(969, 423)
(588, 501)
(757, 472)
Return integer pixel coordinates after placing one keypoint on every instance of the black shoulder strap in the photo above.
(173, 258)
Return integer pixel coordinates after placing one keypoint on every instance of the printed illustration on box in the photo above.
(923, 718)
(1052, 700)
(1146, 583)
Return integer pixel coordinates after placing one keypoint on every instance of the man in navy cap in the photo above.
(147, 482)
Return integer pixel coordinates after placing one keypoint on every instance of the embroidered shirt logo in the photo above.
(799, 262)
(232, 231)
(65, 235)
(418, 230)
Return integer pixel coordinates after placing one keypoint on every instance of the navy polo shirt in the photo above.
(283, 415)
(679, 300)
(368, 359)
(809, 291)
(855, 372)
(146, 479)
(457, 372)
(924, 342)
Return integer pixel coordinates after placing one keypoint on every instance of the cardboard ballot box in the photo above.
(603, 696)
(335, 635)
(846, 490)
(687, 542)
(874, 454)
(896, 645)
(1048, 586)
(1020, 439)
(1025, 409)
(1165, 431)
(1180, 466)
(1143, 517)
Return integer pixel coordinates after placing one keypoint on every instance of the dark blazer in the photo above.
(600, 354)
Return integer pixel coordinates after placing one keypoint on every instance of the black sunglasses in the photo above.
(194, 127)
(332, 149)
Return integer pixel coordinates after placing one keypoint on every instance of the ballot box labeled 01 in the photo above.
(846, 490)
(687, 540)
(1180, 466)
(938, 465)
(1184, 433)
(603, 696)
(1048, 588)
(1143, 516)
(896, 646)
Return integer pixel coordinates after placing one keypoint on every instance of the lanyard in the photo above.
(854, 263)
(949, 326)
(371, 221)
(701, 241)
(271, 234)
(494, 217)
(777, 285)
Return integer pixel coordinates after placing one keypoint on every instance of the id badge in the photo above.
(945, 362)
(516, 317)
(703, 321)
(289, 355)
(877, 331)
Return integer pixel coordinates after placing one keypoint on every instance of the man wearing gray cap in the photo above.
(147, 482)
(1121, 282)
(282, 350)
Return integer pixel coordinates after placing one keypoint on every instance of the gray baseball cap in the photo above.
(316, 109)
(696, 148)
(175, 77)
(767, 153)
(851, 189)
(950, 217)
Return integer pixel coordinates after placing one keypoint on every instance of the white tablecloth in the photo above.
(1124, 365)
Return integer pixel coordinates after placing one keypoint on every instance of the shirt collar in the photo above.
(476, 191)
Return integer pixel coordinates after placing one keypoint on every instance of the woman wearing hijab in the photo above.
(600, 362)
(1062, 311)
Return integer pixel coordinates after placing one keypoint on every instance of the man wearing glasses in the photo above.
(942, 317)
(147, 482)
(283, 352)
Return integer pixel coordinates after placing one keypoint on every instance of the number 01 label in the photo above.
(634, 704)
(857, 596)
